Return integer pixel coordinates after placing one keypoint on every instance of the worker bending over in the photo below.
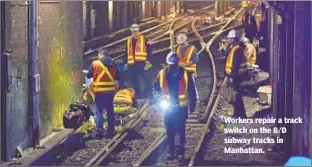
(235, 69)
(188, 58)
(104, 74)
(124, 101)
(172, 85)
(137, 58)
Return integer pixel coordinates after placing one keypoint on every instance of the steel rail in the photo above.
(159, 140)
(105, 151)
(217, 98)
(118, 31)
(143, 32)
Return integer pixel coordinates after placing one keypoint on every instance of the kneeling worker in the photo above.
(104, 74)
(124, 100)
(172, 84)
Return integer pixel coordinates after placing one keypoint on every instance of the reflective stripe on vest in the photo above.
(183, 84)
(186, 58)
(140, 50)
(229, 61)
(90, 90)
(124, 96)
(98, 84)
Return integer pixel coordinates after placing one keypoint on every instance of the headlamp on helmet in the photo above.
(172, 58)
(135, 27)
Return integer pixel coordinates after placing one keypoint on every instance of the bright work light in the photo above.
(164, 104)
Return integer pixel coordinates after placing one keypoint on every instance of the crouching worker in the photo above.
(124, 101)
(124, 106)
(170, 88)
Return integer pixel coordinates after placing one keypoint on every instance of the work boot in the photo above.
(171, 153)
(110, 134)
(180, 153)
(98, 134)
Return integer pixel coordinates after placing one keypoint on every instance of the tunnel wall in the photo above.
(290, 57)
(60, 65)
(60, 60)
(16, 95)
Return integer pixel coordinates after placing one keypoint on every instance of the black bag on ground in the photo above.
(76, 116)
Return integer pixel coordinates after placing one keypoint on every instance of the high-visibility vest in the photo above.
(140, 52)
(250, 54)
(88, 95)
(124, 96)
(186, 58)
(244, 4)
(229, 61)
(104, 78)
(183, 83)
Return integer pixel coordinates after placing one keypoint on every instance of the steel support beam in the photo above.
(34, 77)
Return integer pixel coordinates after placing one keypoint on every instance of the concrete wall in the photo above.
(17, 94)
(60, 64)
(60, 60)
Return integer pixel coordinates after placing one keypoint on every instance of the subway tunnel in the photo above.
(46, 45)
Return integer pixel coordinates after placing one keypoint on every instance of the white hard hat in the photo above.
(245, 40)
(172, 58)
(135, 27)
(181, 38)
(233, 34)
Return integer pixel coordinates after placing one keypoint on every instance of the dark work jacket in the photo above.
(134, 40)
(108, 64)
(237, 59)
(250, 27)
(173, 76)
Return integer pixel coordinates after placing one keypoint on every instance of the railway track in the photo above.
(195, 131)
(203, 150)
(153, 34)
(135, 149)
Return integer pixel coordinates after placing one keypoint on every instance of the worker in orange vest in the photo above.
(234, 69)
(188, 59)
(171, 87)
(124, 100)
(104, 74)
(137, 58)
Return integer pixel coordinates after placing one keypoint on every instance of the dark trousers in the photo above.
(192, 92)
(175, 121)
(239, 107)
(135, 71)
(122, 80)
(104, 101)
